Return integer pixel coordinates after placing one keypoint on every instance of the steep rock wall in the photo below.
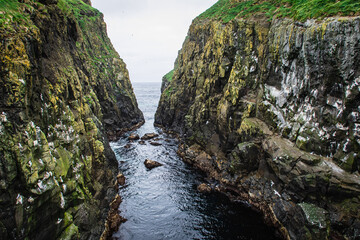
(63, 89)
(271, 110)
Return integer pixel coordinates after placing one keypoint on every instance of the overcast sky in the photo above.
(149, 33)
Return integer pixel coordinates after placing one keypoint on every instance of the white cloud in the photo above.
(148, 33)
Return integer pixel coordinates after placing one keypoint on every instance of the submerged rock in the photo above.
(149, 136)
(133, 137)
(127, 146)
(120, 179)
(155, 143)
(150, 164)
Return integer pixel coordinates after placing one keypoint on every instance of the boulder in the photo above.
(120, 179)
(204, 188)
(133, 137)
(155, 143)
(142, 142)
(113, 220)
(245, 158)
(116, 202)
(148, 136)
(150, 164)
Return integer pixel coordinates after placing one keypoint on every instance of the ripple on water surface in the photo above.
(163, 203)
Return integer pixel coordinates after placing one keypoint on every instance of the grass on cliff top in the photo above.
(300, 10)
(82, 11)
(12, 12)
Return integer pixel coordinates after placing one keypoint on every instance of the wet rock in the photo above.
(316, 219)
(150, 164)
(204, 188)
(113, 220)
(149, 136)
(155, 143)
(127, 146)
(133, 137)
(120, 179)
(142, 142)
(116, 202)
(245, 158)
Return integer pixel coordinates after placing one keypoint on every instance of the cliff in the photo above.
(269, 106)
(63, 91)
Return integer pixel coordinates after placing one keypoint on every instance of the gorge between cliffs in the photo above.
(256, 130)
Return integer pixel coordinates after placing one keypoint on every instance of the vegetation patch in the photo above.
(82, 11)
(15, 16)
(300, 10)
(169, 76)
(168, 91)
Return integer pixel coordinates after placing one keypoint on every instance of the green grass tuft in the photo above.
(14, 13)
(300, 10)
(169, 76)
(82, 11)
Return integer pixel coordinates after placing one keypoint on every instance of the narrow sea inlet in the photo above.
(163, 203)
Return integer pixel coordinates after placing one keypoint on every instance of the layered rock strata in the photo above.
(62, 88)
(271, 110)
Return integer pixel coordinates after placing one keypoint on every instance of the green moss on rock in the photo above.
(316, 219)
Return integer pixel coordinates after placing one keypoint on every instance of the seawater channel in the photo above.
(163, 203)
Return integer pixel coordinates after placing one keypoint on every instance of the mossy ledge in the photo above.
(63, 91)
(267, 105)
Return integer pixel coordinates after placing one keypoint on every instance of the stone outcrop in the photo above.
(62, 88)
(114, 219)
(271, 110)
(148, 136)
(134, 137)
(150, 164)
(204, 188)
(155, 143)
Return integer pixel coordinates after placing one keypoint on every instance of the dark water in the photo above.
(163, 203)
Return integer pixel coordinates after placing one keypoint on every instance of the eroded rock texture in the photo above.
(271, 110)
(62, 88)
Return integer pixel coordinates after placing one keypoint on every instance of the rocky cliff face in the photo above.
(271, 110)
(62, 88)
